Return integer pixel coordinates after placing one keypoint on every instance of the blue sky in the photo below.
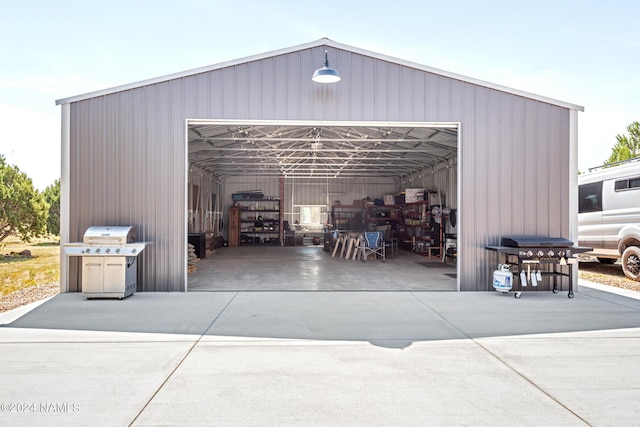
(583, 52)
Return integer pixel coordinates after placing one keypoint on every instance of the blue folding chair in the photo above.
(373, 245)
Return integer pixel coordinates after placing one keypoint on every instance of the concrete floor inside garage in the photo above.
(309, 268)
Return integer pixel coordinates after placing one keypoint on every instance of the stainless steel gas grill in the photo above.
(541, 262)
(109, 261)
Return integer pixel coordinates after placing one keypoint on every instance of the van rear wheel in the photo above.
(631, 262)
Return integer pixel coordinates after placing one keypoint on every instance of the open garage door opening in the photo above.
(284, 205)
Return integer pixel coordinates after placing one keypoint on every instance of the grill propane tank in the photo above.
(503, 278)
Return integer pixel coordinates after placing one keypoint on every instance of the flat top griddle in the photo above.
(536, 242)
(544, 253)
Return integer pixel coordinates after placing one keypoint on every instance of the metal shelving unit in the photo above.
(256, 221)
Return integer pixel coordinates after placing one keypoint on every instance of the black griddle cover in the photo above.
(536, 242)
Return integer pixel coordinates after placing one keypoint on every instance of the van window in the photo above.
(622, 184)
(590, 197)
(627, 184)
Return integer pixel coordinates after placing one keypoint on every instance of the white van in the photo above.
(609, 214)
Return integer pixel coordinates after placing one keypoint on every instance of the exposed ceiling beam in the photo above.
(346, 151)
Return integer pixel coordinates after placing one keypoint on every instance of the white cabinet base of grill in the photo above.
(109, 276)
(109, 260)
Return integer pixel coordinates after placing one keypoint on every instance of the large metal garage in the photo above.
(167, 155)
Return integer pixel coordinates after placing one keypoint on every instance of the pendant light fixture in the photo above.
(326, 74)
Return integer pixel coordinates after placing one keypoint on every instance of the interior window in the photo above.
(634, 182)
(590, 197)
(310, 215)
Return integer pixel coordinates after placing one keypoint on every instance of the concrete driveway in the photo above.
(323, 358)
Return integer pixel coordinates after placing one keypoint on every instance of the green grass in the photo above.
(41, 268)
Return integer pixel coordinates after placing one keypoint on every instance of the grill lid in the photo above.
(536, 242)
(109, 235)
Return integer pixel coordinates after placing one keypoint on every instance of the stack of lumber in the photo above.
(192, 258)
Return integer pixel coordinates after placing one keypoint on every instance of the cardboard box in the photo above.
(412, 195)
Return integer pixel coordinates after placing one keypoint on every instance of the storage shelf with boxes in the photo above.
(415, 218)
(255, 221)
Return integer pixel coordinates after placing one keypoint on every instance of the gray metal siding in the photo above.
(127, 167)
(513, 179)
(128, 148)
(317, 192)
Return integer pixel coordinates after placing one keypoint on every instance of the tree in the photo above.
(52, 196)
(627, 147)
(23, 210)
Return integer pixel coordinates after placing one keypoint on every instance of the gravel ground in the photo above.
(606, 274)
(592, 271)
(28, 295)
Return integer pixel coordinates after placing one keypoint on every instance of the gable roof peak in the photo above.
(325, 42)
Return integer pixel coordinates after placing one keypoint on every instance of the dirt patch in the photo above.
(29, 271)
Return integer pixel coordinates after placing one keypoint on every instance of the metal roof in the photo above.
(319, 150)
(328, 43)
(327, 150)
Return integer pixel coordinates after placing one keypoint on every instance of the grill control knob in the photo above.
(98, 250)
(550, 253)
(118, 250)
(108, 250)
(88, 250)
(133, 251)
(530, 253)
(540, 253)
